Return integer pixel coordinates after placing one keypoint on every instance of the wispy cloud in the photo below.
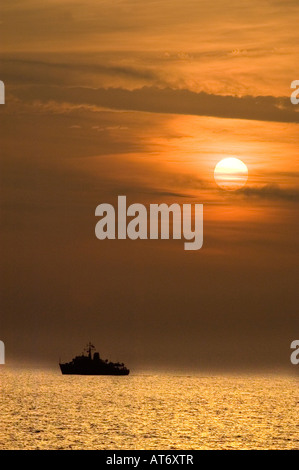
(167, 100)
(29, 71)
(271, 192)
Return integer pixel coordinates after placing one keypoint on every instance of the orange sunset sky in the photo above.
(143, 98)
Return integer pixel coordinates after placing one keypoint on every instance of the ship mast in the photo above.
(89, 348)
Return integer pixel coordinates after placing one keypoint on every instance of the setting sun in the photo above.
(231, 174)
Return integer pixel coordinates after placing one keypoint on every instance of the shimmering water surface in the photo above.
(45, 410)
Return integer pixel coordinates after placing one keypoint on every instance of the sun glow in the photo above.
(231, 174)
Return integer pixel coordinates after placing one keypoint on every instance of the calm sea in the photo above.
(45, 410)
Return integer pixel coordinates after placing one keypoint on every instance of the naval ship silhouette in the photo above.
(92, 364)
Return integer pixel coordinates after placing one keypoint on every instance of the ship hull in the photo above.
(67, 369)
